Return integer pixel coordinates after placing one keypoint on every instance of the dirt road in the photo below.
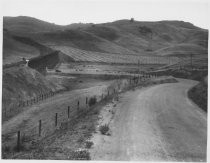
(158, 123)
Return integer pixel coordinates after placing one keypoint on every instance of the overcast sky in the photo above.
(99, 11)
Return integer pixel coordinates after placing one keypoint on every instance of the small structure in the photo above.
(132, 20)
(27, 61)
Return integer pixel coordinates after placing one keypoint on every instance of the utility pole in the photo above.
(191, 57)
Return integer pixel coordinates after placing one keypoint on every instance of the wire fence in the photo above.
(46, 126)
(17, 107)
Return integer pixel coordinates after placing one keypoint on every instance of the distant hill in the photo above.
(24, 24)
(119, 37)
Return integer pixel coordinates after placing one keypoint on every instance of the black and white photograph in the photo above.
(104, 80)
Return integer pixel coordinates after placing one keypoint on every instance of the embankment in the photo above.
(199, 94)
(22, 83)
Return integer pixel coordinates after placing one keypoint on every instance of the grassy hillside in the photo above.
(163, 34)
(120, 37)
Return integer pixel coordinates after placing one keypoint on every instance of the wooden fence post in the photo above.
(68, 111)
(86, 100)
(40, 127)
(18, 141)
(56, 119)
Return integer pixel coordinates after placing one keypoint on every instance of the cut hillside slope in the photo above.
(22, 83)
(14, 51)
(49, 61)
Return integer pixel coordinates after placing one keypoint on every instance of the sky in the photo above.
(65, 12)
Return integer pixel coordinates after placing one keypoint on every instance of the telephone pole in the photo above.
(191, 57)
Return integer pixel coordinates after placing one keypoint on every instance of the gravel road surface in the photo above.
(158, 123)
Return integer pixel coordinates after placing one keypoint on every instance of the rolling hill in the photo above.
(122, 37)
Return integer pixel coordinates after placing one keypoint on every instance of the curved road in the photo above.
(158, 123)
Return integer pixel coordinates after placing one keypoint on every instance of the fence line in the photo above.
(80, 107)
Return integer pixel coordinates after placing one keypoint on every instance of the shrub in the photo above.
(92, 101)
(104, 129)
(89, 144)
(57, 70)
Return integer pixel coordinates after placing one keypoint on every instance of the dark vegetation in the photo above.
(104, 129)
(49, 61)
(199, 94)
(92, 101)
(89, 144)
